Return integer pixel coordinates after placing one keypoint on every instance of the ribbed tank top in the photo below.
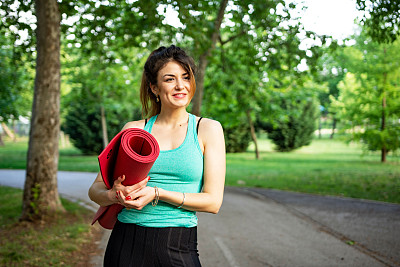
(179, 170)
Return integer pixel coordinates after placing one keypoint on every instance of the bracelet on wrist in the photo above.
(156, 198)
(183, 201)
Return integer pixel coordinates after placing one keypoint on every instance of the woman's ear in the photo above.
(153, 88)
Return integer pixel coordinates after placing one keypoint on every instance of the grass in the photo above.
(65, 240)
(13, 156)
(326, 167)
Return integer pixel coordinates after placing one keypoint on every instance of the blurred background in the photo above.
(308, 92)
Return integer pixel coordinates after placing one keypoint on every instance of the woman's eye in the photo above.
(187, 78)
(169, 79)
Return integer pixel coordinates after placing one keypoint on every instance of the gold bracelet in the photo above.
(183, 201)
(157, 197)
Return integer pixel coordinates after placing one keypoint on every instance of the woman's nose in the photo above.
(179, 84)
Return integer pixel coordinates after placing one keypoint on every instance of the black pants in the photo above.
(133, 245)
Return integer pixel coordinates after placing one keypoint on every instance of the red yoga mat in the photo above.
(132, 153)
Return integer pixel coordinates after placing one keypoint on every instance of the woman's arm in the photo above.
(210, 199)
(98, 191)
(100, 194)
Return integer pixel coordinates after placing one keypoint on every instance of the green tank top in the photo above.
(179, 170)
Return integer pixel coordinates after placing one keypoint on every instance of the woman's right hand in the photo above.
(126, 190)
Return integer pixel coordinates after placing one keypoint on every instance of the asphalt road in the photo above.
(258, 227)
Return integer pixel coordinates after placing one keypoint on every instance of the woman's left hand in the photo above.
(137, 199)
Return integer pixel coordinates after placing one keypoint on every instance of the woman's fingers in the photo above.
(137, 187)
(138, 199)
(130, 196)
(119, 180)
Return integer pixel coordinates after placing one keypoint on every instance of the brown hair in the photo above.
(156, 61)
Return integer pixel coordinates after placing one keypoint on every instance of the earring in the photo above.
(157, 98)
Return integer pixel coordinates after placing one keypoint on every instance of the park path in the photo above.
(257, 227)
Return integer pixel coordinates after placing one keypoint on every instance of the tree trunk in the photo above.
(383, 125)
(253, 133)
(203, 60)
(8, 132)
(104, 127)
(320, 127)
(41, 196)
(333, 127)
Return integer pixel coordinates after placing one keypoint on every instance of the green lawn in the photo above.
(65, 240)
(327, 167)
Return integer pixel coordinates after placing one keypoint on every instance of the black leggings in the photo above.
(133, 245)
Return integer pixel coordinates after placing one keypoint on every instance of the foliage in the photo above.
(237, 137)
(295, 128)
(83, 125)
(375, 139)
(243, 70)
(15, 82)
(369, 97)
(383, 20)
(93, 82)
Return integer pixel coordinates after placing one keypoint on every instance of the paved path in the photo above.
(257, 227)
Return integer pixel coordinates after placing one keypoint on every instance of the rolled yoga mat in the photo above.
(132, 153)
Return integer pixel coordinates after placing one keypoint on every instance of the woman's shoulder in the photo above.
(208, 126)
(134, 124)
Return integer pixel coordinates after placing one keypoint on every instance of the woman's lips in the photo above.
(179, 95)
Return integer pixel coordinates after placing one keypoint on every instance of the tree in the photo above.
(369, 95)
(15, 83)
(208, 25)
(330, 71)
(114, 89)
(40, 191)
(381, 20)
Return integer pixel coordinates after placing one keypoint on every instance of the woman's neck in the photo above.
(173, 118)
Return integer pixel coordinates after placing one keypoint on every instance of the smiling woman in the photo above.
(188, 175)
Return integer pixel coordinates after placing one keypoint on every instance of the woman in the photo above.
(158, 226)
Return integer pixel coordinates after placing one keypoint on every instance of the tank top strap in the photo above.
(192, 132)
(192, 126)
(149, 126)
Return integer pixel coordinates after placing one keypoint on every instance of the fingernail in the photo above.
(128, 198)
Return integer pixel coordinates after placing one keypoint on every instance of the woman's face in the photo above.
(173, 86)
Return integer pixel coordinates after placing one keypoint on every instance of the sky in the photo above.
(331, 17)
(324, 17)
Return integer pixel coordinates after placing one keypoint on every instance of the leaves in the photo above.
(369, 94)
(383, 20)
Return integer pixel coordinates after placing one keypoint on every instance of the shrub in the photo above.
(296, 128)
(83, 125)
(237, 137)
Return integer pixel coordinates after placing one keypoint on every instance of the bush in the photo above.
(83, 125)
(237, 137)
(296, 129)
(376, 139)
